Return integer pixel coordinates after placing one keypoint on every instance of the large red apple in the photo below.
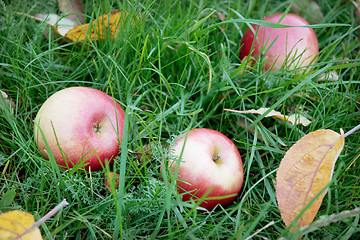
(210, 164)
(80, 124)
(293, 46)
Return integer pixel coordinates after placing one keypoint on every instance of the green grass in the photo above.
(159, 72)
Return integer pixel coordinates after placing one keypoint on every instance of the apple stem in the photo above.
(216, 157)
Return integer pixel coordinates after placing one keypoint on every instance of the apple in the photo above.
(80, 124)
(210, 167)
(294, 46)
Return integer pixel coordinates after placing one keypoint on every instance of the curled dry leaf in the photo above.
(109, 178)
(294, 119)
(304, 172)
(14, 223)
(60, 24)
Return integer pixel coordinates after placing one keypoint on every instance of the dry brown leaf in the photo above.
(144, 155)
(246, 64)
(357, 11)
(14, 223)
(294, 119)
(304, 172)
(6, 98)
(74, 8)
(244, 123)
(109, 178)
(331, 76)
(219, 15)
(357, 8)
(107, 24)
(302, 7)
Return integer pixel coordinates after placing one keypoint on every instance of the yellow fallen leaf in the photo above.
(107, 24)
(294, 119)
(304, 172)
(14, 223)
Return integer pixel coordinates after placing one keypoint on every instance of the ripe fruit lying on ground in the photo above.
(80, 124)
(210, 164)
(295, 46)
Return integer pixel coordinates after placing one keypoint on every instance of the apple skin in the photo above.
(290, 43)
(84, 120)
(197, 171)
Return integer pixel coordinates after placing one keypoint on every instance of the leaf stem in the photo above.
(62, 204)
(327, 220)
(352, 131)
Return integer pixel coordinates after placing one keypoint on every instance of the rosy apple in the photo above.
(295, 47)
(80, 124)
(210, 167)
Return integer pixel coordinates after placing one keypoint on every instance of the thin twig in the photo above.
(335, 217)
(352, 131)
(260, 230)
(45, 218)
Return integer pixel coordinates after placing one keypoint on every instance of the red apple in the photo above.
(210, 164)
(80, 124)
(294, 46)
